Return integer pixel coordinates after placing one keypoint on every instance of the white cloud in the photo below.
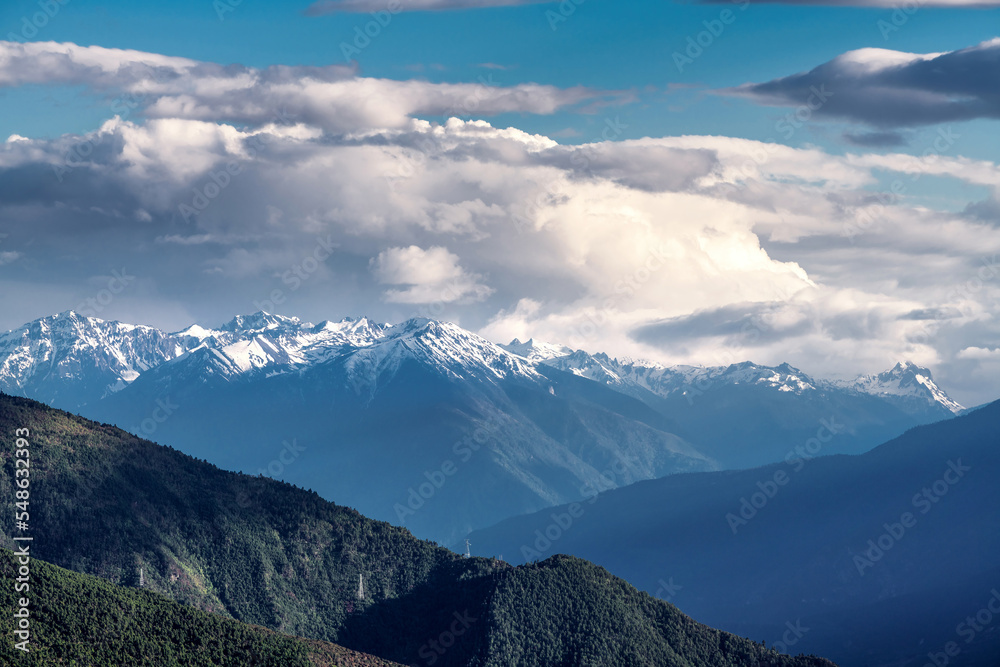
(431, 276)
(979, 354)
(353, 6)
(656, 247)
(333, 98)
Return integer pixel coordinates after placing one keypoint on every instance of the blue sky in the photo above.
(602, 44)
(860, 226)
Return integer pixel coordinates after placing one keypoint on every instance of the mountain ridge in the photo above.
(245, 341)
(906, 531)
(905, 379)
(498, 433)
(267, 553)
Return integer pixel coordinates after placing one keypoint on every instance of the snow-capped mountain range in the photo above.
(906, 385)
(71, 360)
(63, 358)
(433, 427)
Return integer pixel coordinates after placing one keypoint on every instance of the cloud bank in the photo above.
(664, 248)
(333, 98)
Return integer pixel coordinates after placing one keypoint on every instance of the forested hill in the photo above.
(109, 504)
(78, 619)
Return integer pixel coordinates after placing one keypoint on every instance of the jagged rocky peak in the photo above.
(261, 320)
(536, 351)
(907, 384)
(111, 355)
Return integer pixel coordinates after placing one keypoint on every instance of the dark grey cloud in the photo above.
(650, 169)
(745, 324)
(987, 210)
(889, 89)
(638, 165)
(934, 314)
(885, 139)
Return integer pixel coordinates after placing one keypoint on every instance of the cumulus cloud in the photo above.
(333, 98)
(578, 247)
(980, 354)
(52, 62)
(671, 248)
(431, 275)
(395, 6)
(891, 89)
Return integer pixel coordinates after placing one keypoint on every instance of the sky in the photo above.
(686, 182)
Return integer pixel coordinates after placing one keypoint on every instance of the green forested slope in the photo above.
(82, 620)
(567, 611)
(106, 503)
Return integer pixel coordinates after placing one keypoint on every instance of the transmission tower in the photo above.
(361, 587)
(468, 554)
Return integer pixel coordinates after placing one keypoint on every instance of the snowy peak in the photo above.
(598, 367)
(908, 385)
(77, 359)
(447, 347)
(785, 377)
(274, 344)
(536, 351)
(666, 381)
(360, 328)
(260, 321)
(72, 360)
